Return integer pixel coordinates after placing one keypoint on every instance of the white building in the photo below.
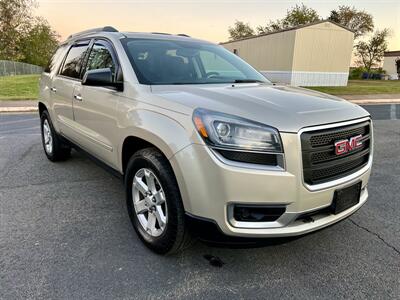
(316, 54)
(389, 64)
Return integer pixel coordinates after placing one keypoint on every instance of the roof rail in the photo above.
(183, 34)
(94, 30)
(163, 33)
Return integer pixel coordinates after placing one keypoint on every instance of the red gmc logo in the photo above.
(344, 146)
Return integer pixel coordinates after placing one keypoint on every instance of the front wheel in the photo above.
(154, 202)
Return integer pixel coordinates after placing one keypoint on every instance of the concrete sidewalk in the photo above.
(373, 99)
(7, 106)
(18, 105)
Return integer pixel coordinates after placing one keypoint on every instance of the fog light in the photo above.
(256, 213)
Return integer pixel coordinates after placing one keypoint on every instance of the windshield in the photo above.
(186, 62)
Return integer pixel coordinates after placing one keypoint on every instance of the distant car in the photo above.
(205, 143)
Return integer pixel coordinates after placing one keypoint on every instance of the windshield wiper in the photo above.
(247, 80)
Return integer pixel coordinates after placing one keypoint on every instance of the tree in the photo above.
(39, 43)
(14, 19)
(240, 30)
(24, 37)
(297, 15)
(370, 53)
(359, 21)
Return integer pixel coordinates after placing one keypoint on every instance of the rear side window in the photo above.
(100, 57)
(73, 62)
(54, 59)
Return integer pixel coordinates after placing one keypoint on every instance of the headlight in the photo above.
(226, 131)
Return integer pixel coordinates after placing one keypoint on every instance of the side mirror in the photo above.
(101, 77)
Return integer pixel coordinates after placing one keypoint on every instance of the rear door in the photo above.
(63, 86)
(95, 108)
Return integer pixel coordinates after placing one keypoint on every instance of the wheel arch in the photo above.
(42, 107)
(130, 146)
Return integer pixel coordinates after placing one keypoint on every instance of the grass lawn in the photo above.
(26, 87)
(20, 87)
(362, 87)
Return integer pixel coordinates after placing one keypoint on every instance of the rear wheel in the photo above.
(154, 202)
(53, 146)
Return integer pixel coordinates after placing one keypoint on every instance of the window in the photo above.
(73, 62)
(100, 58)
(214, 64)
(186, 62)
(54, 59)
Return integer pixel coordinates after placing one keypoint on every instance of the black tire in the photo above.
(60, 150)
(175, 236)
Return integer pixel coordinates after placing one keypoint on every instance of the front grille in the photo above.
(321, 164)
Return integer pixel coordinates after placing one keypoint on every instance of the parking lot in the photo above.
(65, 233)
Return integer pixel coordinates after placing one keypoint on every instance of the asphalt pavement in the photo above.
(65, 234)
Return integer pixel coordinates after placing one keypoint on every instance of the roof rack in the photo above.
(94, 30)
(163, 33)
(183, 34)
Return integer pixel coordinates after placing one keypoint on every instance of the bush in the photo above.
(361, 73)
(356, 73)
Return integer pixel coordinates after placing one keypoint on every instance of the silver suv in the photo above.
(206, 145)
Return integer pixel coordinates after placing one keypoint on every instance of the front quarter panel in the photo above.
(163, 128)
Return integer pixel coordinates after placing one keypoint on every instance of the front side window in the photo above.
(54, 59)
(73, 62)
(100, 58)
(186, 62)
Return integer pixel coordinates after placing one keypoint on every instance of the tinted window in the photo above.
(73, 62)
(54, 59)
(100, 58)
(186, 62)
(215, 64)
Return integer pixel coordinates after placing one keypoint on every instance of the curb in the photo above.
(18, 109)
(376, 101)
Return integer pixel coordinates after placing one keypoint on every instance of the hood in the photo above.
(286, 108)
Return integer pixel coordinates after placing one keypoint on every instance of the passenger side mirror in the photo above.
(101, 77)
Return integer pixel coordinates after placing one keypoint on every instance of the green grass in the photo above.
(363, 87)
(26, 87)
(20, 87)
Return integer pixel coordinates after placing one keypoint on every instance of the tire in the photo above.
(53, 146)
(146, 166)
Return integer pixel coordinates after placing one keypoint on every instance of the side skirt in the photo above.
(97, 161)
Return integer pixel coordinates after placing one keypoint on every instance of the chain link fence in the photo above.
(8, 68)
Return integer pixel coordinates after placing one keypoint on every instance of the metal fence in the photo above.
(8, 68)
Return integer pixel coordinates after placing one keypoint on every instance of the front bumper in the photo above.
(209, 187)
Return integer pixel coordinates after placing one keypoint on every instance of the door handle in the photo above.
(53, 89)
(77, 97)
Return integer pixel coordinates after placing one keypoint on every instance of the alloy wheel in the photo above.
(149, 202)
(48, 139)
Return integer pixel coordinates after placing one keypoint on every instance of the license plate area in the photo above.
(346, 198)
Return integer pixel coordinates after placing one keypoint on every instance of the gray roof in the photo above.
(162, 36)
(392, 53)
(109, 31)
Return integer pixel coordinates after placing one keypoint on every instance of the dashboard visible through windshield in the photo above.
(158, 61)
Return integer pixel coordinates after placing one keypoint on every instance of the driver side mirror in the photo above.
(102, 78)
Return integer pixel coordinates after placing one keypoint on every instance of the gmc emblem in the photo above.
(344, 146)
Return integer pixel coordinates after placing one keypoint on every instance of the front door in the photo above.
(95, 108)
